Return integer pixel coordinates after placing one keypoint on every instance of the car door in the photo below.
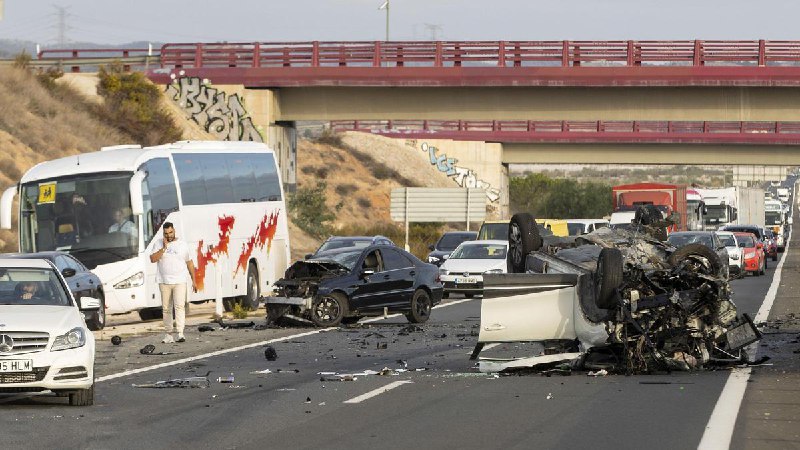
(372, 289)
(401, 272)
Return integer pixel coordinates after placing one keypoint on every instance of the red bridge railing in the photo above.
(481, 53)
(787, 133)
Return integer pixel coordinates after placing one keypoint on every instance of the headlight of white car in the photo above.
(74, 338)
(132, 281)
(432, 259)
(494, 271)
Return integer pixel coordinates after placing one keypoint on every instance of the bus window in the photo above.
(269, 186)
(190, 177)
(217, 178)
(243, 178)
(160, 195)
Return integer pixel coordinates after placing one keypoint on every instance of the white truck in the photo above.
(774, 219)
(733, 206)
(783, 194)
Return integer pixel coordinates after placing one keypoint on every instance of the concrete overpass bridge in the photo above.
(598, 82)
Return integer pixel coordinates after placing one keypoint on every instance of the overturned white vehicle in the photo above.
(615, 299)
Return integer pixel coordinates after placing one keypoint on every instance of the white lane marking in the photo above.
(377, 392)
(719, 430)
(244, 347)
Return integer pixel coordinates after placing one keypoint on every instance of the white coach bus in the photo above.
(106, 209)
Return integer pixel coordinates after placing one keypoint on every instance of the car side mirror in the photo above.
(431, 247)
(366, 272)
(68, 272)
(89, 304)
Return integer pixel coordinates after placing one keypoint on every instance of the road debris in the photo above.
(270, 353)
(228, 379)
(205, 328)
(116, 340)
(187, 382)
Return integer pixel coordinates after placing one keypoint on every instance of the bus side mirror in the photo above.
(135, 187)
(6, 202)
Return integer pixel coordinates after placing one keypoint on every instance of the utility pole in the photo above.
(432, 29)
(62, 14)
(385, 6)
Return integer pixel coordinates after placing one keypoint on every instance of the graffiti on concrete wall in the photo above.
(224, 116)
(466, 178)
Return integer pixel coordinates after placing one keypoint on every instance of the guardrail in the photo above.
(481, 53)
(563, 126)
(77, 59)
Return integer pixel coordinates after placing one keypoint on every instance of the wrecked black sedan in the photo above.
(343, 286)
(623, 300)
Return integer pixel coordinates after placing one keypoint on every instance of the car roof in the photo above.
(42, 255)
(486, 241)
(461, 233)
(686, 233)
(6, 261)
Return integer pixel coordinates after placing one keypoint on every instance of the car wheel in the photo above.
(608, 277)
(251, 299)
(151, 313)
(703, 258)
(765, 262)
(775, 256)
(98, 319)
(445, 295)
(420, 307)
(523, 238)
(83, 397)
(328, 310)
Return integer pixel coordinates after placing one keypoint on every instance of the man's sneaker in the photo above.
(167, 339)
(181, 338)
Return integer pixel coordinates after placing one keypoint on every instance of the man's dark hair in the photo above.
(168, 225)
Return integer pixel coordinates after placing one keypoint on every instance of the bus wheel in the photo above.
(251, 300)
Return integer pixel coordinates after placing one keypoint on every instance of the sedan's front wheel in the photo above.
(328, 310)
(97, 321)
(83, 397)
(421, 306)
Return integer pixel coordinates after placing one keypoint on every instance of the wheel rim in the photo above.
(422, 306)
(327, 309)
(515, 244)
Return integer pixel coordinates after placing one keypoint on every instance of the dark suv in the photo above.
(447, 243)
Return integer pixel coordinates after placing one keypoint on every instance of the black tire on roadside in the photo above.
(421, 306)
(523, 238)
(97, 321)
(151, 313)
(328, 310)
(445, 295)
(698, 253)
(82, 397)
(608, 277)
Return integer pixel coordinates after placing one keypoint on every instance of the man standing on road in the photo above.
(175, 268)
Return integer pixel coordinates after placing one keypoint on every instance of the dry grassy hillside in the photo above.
(37, 124)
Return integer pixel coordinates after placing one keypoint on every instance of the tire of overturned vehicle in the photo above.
(523, 238)
(608, 277)
(713, 267)
(97, 321)
(328, 310)
(421, 306)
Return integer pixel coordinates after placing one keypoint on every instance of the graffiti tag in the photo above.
(466, 178)
(222, 115)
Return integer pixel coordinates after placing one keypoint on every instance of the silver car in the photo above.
(735, 258)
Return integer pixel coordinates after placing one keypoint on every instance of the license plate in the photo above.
(16, 365)
(462, 280)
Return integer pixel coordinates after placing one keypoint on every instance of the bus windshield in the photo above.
(88, 216)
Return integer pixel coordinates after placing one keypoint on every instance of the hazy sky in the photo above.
(120, 21)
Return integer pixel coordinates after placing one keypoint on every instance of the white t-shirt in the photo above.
(172, 265)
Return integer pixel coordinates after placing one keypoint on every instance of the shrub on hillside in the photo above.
(310, 211)
(132, 104)
(330, 137)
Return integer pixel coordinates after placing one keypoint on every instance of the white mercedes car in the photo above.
(463, 271)
(45, 344)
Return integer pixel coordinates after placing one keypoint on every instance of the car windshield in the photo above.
(480, 251)
(679, 240)
(747, 240)
(449, 242)
(575, 229)
(333, 244)
(346, 258)
(24, 286)
(728, 240)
